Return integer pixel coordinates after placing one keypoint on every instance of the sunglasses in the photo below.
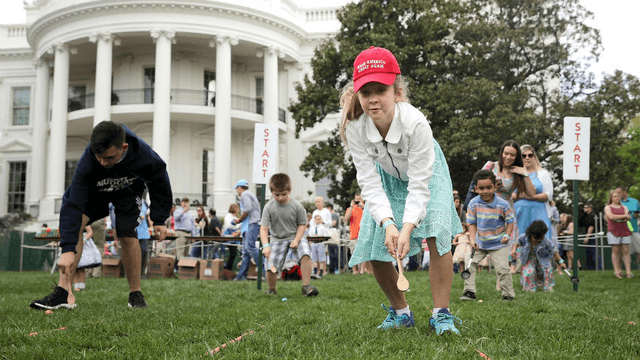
(527, 155)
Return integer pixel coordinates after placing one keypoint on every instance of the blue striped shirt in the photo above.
(184, 221)
(491, 220)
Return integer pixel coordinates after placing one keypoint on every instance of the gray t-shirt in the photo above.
(283, 220)
(250, 204)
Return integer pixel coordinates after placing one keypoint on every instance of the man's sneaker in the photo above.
(309, 290)
(443, 322)
(395, 321)
(136, 300)
(316, 276)
(271, 292)
(507, 298)
(56, 300)
(468, 295)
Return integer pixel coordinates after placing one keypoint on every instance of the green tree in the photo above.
(628, 153)
(611, 106)
(480, 70)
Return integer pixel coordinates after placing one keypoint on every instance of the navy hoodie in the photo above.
(93, 185)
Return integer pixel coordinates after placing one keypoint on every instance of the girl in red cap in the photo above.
(406, 183)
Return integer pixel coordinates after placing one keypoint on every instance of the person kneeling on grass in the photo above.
(115, 167)
(537, 251)
(287, 220)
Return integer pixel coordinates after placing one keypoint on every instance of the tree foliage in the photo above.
(483, 72)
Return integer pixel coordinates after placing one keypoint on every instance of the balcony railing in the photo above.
(196, 199)
(178, 96)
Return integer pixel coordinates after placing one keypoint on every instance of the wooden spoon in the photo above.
(403, 283)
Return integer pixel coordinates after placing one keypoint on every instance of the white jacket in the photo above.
(407, 153)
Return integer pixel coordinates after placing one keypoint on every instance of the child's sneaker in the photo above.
(468, 295)
(56, 300)
(443, 322)
(309, 290)
(271, 292)
(136, 300)
(395, 321)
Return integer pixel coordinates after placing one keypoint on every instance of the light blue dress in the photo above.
(441, 222)
(528, 211)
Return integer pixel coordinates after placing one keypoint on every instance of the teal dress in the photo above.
(441, 222)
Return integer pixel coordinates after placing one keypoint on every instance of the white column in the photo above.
(40, 125)
(223, 193)
(270, 84)
(104, 60)
(58, 135)
(162, 94)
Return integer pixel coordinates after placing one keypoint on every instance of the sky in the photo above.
(616, 19)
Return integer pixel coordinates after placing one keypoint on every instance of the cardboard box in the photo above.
(252, 274)
(161, 266)
(188, 268)
(112, 267)
(211, 269)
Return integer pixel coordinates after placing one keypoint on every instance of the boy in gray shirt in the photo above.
(287, 220)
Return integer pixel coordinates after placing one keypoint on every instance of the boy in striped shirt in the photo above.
(491, 221)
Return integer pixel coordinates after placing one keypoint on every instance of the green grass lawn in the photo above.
(186, 318)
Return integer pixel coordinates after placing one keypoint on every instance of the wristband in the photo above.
(561, 261)
(387, 224)
(266, 246)
(506, 236)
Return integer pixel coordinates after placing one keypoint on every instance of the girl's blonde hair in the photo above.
(611, 193)
(351, 108)
(536, 162)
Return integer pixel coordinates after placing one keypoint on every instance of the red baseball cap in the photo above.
(374, 64)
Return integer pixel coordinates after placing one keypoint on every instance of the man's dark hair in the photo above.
(105, 135)
(537, 229)
(280, 182)
(483, 175)
(212, 212)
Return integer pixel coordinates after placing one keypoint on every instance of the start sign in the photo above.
(265, 152)
(577, 138)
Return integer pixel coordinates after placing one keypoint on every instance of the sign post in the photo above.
(265, 164)
(575, 166)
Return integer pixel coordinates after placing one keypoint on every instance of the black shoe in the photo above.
(309, 290)
(507, 298)
(56, 300)
(136, 300)
(468, 295)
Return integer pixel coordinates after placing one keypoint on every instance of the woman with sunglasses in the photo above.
(530, 208)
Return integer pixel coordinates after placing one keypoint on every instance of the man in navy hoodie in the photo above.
(115, 168)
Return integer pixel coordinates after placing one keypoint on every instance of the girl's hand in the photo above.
(404, 244)
(519, 170)
(391, 239)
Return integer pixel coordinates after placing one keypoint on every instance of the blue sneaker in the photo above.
(395, 321)
(443, 322)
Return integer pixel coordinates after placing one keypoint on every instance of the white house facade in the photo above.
(191, 78)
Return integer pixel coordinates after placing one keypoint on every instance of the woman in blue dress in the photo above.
(531, 208)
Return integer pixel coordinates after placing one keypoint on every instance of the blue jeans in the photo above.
(249, 250)
(590, 254)
(210, 250)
